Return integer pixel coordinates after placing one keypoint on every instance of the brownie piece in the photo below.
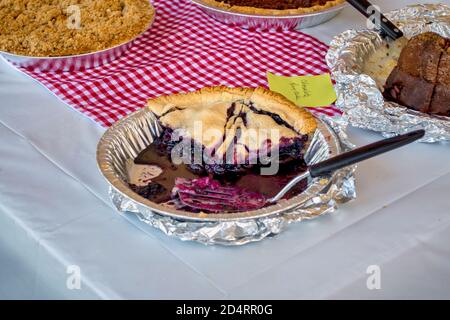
(421, 79)
(408, 90)
(420, 58)
(440, 103)
(444, 67)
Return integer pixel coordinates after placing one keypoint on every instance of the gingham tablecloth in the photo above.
(185, 50)
(55, 214)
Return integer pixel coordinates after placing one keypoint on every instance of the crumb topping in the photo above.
(46, 28)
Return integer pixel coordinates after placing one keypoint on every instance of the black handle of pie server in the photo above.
(369, 11)
(363, 153)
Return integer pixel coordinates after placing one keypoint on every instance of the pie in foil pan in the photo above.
(80, 61)
(359, 86)
(264, 22)
(134, 133)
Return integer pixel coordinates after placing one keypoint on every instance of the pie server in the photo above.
(387, 28)
(328, 166)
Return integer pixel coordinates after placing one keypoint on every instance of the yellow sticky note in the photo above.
(306, 91)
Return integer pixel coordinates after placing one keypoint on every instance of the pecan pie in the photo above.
(217, 141)
(274, 7)
(49, 28)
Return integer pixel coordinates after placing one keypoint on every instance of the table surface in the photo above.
(55, 213)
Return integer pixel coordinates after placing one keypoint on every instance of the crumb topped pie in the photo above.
(274, 7)
(50, 28)
(215, 144)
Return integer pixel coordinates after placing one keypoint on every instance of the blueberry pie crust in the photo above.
(233, 125)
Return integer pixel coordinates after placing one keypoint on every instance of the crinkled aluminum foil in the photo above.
(129, 136)
(358, 95)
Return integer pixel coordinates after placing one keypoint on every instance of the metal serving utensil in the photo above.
(348, 158)
(207, 194)
(388, 28)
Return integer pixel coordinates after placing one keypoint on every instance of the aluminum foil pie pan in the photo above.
(358, 94)
(73, 62)
(129, 136)
(263, 22)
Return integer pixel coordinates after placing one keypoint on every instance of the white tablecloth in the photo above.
(55, 212)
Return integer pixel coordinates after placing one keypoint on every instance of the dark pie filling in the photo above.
(277, 5)
(234, 185)
(290, 150)
(209, 195)
(242, 176)
(152, 191)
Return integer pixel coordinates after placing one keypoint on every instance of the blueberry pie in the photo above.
(238, 145)
(274, 7)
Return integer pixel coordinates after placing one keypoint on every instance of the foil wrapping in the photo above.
(358, 94)
(129, 136)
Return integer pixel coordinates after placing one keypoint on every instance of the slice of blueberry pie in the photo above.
(250, 142)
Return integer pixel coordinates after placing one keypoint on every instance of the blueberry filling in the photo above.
(290, 149)
(221, 185)
(274, 116)
(208, 195)
(151, 191)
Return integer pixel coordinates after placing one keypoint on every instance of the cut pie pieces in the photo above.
(234, 128)
(271, 7)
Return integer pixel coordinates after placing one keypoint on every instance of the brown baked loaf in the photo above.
(441, 98)
(421, 79)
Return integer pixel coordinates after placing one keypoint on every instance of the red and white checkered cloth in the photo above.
(185, 50)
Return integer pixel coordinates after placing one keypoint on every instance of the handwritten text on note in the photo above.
(306, 91)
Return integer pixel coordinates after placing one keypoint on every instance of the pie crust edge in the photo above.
(271, 12)
(301, 119)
